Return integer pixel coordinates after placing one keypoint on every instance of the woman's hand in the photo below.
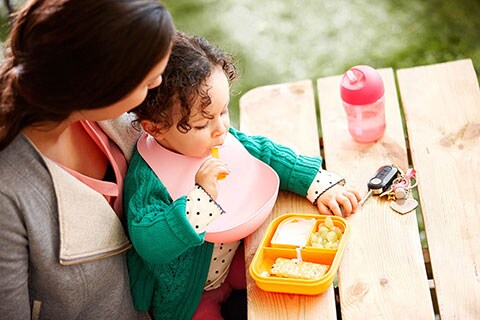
(206, 176)
(338, 200)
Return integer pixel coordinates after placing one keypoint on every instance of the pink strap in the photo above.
(110, 190)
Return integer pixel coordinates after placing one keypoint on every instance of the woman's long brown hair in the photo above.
(68, 55)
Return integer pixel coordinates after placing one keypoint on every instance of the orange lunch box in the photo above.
(267, 252)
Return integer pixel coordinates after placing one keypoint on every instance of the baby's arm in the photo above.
(296, 172)
(302, 175)
(207, 175)
(329, 194)
(161, 232)
(160, 229)
(201, 209)
(201, 206)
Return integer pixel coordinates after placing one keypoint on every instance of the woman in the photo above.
(69, 64)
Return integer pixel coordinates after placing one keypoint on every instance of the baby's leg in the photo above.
(236, 276)
(211, 301)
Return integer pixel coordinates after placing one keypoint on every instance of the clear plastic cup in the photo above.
(362, 93)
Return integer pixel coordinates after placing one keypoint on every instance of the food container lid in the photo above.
(361, 85)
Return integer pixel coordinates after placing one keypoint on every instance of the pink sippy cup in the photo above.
(362, 93)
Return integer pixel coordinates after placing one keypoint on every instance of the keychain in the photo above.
(402, 203)
(392, 182)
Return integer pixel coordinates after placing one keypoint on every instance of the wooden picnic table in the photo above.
(385, 272)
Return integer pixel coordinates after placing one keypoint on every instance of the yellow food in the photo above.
(294, 268)
(216, 154)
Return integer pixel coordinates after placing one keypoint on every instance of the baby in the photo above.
(173, 270)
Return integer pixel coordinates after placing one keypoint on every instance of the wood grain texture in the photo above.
(286, 114)
(442, 111)
(382, 275)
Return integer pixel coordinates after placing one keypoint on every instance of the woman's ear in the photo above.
(151, 127)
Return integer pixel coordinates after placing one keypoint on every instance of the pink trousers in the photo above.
(211, 301)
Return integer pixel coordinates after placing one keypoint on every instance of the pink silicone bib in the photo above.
(247, 194)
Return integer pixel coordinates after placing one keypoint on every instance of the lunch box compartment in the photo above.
(267, 253)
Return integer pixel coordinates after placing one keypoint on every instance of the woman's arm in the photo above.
(14, 296)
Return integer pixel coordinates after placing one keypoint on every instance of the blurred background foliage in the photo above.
(287, 40)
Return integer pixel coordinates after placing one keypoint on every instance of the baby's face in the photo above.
(205, 133)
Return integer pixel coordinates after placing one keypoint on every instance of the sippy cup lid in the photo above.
(361, 85)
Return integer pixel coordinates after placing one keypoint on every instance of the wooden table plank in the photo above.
(442, 111)
(286, 114)
(382, 275)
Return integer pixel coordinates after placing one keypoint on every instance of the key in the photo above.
(382, 179)
(380, 182)
(365, 198)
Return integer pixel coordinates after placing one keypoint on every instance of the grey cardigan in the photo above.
(38, 231)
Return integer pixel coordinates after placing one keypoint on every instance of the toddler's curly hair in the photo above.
(191, 62)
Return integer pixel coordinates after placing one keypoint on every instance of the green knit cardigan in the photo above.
(169, 263)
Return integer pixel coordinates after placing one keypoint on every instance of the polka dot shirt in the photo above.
(323, 181)
(221, 259)
(201, 211)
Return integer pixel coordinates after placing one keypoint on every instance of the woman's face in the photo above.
(132, 100)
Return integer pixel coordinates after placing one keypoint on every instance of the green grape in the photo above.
(317, 245)
(328, 235)
(332, 236)
(323, 234)
(338, 231)
(329, 222)
(322, 228)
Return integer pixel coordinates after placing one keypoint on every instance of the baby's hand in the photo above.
(331, 200)
(206, 176)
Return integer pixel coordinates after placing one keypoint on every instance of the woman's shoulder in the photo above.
(122, 131)
(22, 168)
(19, 156)
(18, 146)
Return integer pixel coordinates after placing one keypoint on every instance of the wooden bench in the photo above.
(383, 273)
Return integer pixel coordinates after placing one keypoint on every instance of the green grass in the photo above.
(4, 26)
